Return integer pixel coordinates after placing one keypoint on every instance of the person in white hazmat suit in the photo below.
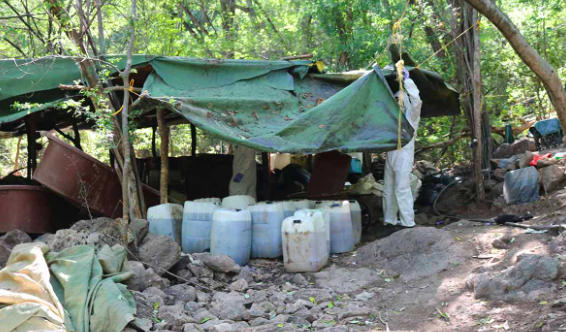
(244, 172)
(397, 196)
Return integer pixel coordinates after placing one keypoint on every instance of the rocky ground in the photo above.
(464, 276)
(443, 275)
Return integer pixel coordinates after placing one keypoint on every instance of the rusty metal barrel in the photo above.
(83, 180)
(27, 208)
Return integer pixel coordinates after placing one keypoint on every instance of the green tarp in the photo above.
(266, 105)
(78, 289)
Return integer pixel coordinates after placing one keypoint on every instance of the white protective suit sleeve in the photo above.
(397, 195)
(244, 172)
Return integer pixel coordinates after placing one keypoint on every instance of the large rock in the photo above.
(46, 238)
(503, 151)
(552, 177)
(246, 274)
(182, 293)
(345, 280)
(140, 229)
(320, 295)
(218, 262)
(182, 268)
(155, 295)
(137, 282)
(353, 309)
(66, 238)
(96, 232)
(523, 145)
(558, 244)
(8, 241)
(240, 285)
(499, 174)
(262, 309)
(175, 315)
(497, 190)
(154, 280)
(144, 305)
(409, 254)
(160, 252)
(107, 228)
(525, 161)
(201, 271)
(533, 277)
(190, 327)
(230, 306)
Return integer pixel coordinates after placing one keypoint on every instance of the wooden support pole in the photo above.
(164, 133)
(266, 176)
(193, 140)
(153, 148)
(31, 127)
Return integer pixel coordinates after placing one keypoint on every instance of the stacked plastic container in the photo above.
(197, 225)
(292, 206)
(356, 215)
(237, 202)
(232, 234)
(321, 221)
(209, 200)
(166, 219)
(341, 229)
(267, 218)
(304, 244)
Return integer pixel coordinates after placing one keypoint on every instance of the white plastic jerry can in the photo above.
(237, 202)
(321, 222)
(304, 245)
(341, 230)
(356, 215)
(267, 218)
(166, 219)
(232, 234)
(209, 200)
(197, 226)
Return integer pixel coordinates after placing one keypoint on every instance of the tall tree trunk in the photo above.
(477, 110)
(102, 102)
(466, 50)
(126, 130)
(528, 54)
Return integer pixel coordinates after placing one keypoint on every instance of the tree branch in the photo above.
(16, 47)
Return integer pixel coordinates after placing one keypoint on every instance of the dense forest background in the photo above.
(344, 34)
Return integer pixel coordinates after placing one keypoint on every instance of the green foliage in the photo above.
(344, 34)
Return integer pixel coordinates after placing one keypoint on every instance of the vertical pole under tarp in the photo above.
(193, 140)
(153, 148)
(266, 176)
(31, 127)
(164, 133)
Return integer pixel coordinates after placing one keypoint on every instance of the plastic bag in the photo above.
(521, 186)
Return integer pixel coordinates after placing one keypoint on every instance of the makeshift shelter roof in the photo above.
(283, 106)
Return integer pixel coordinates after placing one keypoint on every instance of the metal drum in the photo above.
(27, 208)
(84, 180)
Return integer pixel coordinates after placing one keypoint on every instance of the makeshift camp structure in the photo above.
(283, 106)
(270, 106)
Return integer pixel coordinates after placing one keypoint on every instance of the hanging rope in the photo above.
(453, 40)
(131, 89)
(397, 38)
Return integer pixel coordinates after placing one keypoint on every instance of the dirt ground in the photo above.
(444, 301)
